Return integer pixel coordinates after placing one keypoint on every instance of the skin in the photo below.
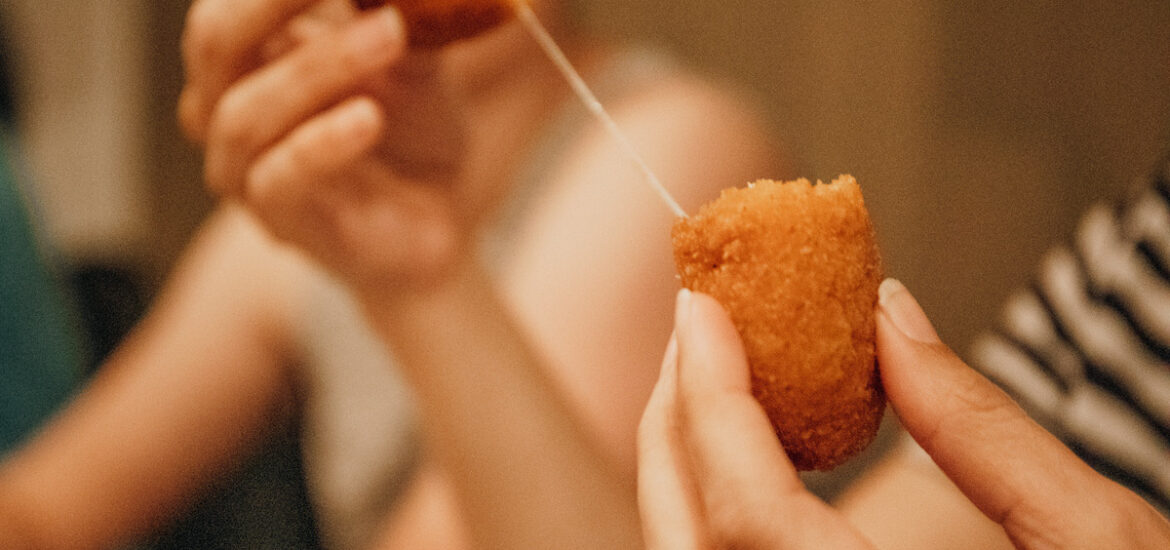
(713, 476)
(308, 112)
(209, 373)
(435, 23)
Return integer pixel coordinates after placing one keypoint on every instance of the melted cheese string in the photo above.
(528, 18)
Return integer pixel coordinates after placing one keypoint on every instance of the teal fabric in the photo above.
(39, 351)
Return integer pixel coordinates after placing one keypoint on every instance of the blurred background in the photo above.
(979, 130)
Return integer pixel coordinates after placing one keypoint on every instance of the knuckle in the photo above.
(970, 406)
(984, 402)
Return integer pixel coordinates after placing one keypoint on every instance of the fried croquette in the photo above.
(797, 267)
(435, 23)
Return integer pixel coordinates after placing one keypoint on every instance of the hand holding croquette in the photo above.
(797, 267)
(711, 474)
(356, 163)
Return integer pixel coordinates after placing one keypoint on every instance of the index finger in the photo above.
(221, 42)
(1012, 469)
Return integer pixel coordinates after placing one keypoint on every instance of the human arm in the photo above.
(591, 277)
(192, 391)
(596, 316)
(448, 331)
(706, 445)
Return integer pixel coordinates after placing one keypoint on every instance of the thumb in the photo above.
(1017, 473)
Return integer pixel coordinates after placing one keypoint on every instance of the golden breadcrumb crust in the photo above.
(797, 267)
(435, 23)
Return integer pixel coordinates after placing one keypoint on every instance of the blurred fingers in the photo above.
(281, 182)
(299, 31)
(220, 42)
(316, 151)
(315, 189)
(266, 105)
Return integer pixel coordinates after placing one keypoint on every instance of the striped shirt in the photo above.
(1086, 349)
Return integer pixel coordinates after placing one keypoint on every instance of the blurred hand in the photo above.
(713, 475)
(339, 139)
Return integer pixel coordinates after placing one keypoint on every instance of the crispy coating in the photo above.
(435, 23)
(797, 267)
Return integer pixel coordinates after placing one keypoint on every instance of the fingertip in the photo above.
(363, 120)
(390, 30)
(908, 348)
(392, 19)
(344, 134)
(895, 300)
(910, 372)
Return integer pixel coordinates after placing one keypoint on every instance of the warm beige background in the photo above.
(978, 129)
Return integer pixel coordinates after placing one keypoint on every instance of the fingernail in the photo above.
(904, 311)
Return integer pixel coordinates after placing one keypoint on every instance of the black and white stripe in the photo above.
(1087, 349)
